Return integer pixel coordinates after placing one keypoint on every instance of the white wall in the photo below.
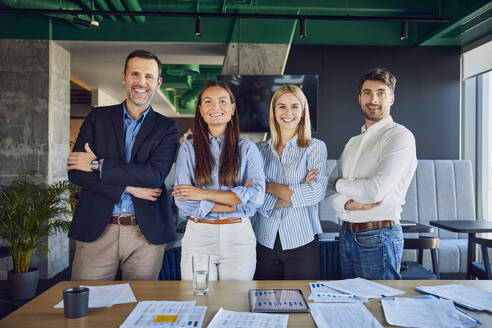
(477, 60)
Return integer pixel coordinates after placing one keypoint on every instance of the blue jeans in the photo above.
(372, 254)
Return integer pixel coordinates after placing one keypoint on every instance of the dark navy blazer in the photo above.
(151, 159)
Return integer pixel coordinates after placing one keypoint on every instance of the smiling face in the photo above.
(288, 112)
(216, 107)
(141, 79)
(375, 100)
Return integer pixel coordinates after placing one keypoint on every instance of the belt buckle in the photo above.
(133, 219)
(193, 219)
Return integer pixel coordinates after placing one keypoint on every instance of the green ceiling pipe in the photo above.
(189, 99)
(47, 4)
(134, 5)
(104, 6)
(183, 69)
(119, 7)
(89, 4)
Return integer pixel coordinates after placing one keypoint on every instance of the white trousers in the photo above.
(231, 247)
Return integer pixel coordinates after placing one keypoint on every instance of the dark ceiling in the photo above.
(335, 22)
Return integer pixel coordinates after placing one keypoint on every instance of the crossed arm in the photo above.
(242, 200)
(152, 173)
(225, 200)
(282, 191)
(81, 161)
(365, 193)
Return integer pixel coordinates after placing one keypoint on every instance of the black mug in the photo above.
(76, 302)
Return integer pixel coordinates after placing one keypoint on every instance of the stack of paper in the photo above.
(322, 293)
(343, 315)
(231, 319)
(469, 297)
(425, 311)
(165, 314)
(107, 295)
(363, 288)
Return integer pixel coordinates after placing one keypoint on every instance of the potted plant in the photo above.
(28, 213)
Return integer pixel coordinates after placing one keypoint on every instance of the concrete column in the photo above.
(255, 58)
(267, 57)
(35, 114)
(101, 98)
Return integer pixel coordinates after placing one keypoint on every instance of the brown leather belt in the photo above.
(124, 219)
(220, 221)
(356, 227)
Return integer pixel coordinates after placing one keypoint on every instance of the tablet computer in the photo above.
(277, 300)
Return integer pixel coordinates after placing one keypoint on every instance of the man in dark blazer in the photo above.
(121, 158)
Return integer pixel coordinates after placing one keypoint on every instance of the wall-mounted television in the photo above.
(254, 92)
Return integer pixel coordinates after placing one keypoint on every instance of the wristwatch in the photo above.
(95, 165)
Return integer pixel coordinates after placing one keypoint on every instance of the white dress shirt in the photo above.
(377, 165)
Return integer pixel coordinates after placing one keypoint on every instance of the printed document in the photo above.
(363, 288)
(324, 294)
(469, 297)
(165, 314)
(343, 315)
(425, 311)
(107, 295)
(231, 319)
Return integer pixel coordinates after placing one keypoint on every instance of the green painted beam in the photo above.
(225, 30)
(336, 7)
(462, 13)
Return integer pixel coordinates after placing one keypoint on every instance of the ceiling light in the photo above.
(404, 30)
(198, 26)
(86, 23)
(302, 28)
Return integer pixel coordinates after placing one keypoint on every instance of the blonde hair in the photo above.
(304, 126)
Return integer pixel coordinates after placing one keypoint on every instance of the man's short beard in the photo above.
(140, 104)
(372, 119)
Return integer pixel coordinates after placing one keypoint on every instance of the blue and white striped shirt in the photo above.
(298, 223)
(251, 168)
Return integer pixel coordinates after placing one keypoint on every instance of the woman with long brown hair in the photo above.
(219, 185)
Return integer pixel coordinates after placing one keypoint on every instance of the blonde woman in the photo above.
(287, 224)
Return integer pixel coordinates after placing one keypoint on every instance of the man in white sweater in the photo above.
(368, 186)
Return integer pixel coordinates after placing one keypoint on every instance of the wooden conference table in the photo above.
(231, 295)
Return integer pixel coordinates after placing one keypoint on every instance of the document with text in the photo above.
(231, 319)
(363, 288)
(325, 294)
(107, 295)
(343, 315)
(165, 314)
(425, 311)
(467, 296)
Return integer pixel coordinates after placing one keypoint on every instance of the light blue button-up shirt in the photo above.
(298, 223)
(130, 131)
(251, 168)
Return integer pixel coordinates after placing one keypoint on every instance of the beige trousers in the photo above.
(121, 246)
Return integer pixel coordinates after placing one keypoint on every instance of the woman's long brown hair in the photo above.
(230, 158)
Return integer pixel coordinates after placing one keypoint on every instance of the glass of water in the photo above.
(200, 267)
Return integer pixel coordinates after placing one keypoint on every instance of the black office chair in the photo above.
(483, 270)
(411, 270)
